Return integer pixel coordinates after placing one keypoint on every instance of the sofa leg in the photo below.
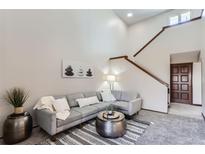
(53, 138)
(128, 117)
(80, 126)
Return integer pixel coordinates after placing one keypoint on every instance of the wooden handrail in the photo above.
(148, 43)
(165, 27)
(144, 70)
(119, 57)
(147, 72)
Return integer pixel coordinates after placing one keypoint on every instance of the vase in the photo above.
(17, 127)
(110, 112)
(18, 110)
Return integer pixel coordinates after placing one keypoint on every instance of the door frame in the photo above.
(191, 82)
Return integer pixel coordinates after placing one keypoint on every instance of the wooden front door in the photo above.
(181, 83)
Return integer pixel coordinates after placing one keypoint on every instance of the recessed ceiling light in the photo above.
(129, 15)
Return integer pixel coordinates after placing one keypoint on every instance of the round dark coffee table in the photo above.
(111, 126)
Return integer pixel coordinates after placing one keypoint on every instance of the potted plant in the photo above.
(16, 97)
(110, 109)
(17, 126)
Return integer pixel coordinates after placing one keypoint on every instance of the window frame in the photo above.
(175, 16)
(185, 13)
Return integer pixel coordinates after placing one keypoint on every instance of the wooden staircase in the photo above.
(141, 68)
(125, 57)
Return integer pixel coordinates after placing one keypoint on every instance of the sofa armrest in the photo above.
(47, 120)
(134, 106)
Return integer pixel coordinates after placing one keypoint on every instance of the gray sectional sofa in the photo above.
(128, 103)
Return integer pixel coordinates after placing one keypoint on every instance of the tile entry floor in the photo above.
(186, 110)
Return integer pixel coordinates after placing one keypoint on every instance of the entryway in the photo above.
(185, 84)
(181, 83)
(186, 110)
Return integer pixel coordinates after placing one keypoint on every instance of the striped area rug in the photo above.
(88, 135)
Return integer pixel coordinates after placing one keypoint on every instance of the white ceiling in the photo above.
(138, 14)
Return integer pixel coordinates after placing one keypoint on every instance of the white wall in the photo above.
(153, 93)
(156, 57)
(5, 109)
(203, 64)
(2, 51)
(37, 40)
(142, 32)
(197, 89)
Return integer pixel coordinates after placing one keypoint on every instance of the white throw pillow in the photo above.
(62, 108)
(61, 105)
(87, 101)
(107, 96)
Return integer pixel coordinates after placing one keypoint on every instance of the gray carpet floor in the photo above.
(172, 129)
(165, 129)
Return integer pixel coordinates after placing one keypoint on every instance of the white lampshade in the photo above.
(111, 78)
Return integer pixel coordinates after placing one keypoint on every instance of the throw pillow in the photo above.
(107, 96)
(61, 105)
(62, 108)
(87, 101)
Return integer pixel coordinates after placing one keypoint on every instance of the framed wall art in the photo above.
(76, 69)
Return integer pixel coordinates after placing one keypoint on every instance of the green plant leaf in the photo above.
(16, 97)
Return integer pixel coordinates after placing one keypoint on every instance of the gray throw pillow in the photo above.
(99, 96)
(117, 94)
(72, 99)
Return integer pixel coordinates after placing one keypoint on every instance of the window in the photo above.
(180, 18)
(173, 20)
(203, 14)
(185, 17)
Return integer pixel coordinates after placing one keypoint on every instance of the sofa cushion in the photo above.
(86, 110)
(122, 105)
(74, 115)
(72, 99)
(128, 96)
(101, 106)
(117, 94)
